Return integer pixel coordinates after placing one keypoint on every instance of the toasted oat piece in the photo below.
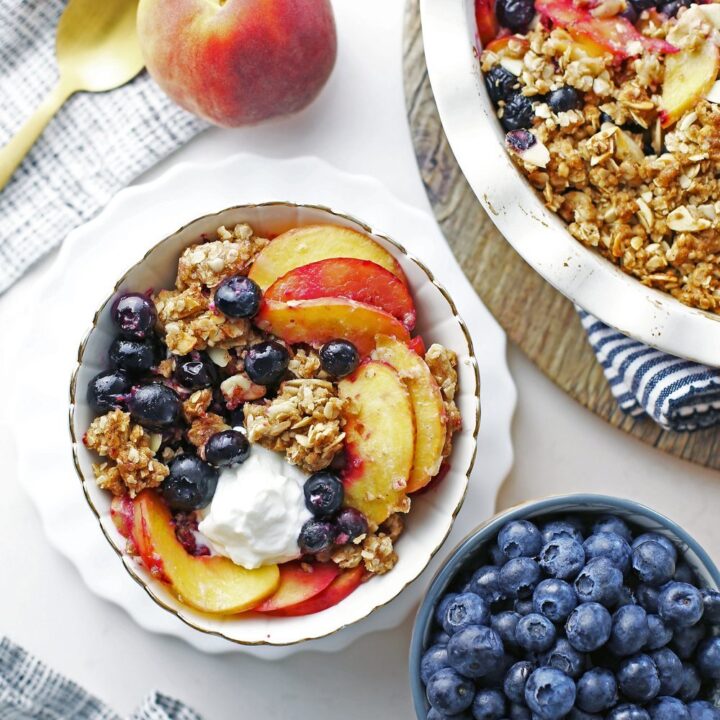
(375, 550)
(443, 365)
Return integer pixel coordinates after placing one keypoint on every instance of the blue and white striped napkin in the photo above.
(677, 394)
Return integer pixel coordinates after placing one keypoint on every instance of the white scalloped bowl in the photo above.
(452, 48)
(433, 512)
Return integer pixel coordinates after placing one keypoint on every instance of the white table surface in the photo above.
(359, 125)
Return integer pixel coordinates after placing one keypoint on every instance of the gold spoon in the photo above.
(97, 50)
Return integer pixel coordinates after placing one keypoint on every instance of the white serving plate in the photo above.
(89, 265)
(539, 236)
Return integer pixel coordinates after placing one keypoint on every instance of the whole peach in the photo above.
(237, 62)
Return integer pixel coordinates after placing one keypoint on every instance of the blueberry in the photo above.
(599, 581)
(596, 691)
(686, 640)
(561, 529)
(563, 656)
(535, 633)
(439, 637)
(708, 658)
(627, 711)
(504, 624)
(228, 447)
(671, 9)
(494, 679)
(630, 630)
(626, 596)
(562, 558)
(652, 563)
(577, 714)
(195, 372)
(523, 607)
(154, 406)
(475, 651)
(465, 609)
(519, 712)
(564, 98)
(519, 538)
(190, 485)
(703, 710)
(660, 634)
(612, 524)
(449, 692)
(489, 705)
(237, 417)
(588, 627)
(238, 297)
(485, 582)
(519, 576)
(555, 599)
(339, 358)
(518, 112)
(658, 538)
(434, 714)
(638, 678)
(515, 680)
(669, 708)
(515, 14)
(684, 573)
(497, 557)
(711, 605)
(669, 668)
(647, 596)
(549, 693)
(609, 545)
(679, 604)
(442, 607)
(316, 536)
(434, 659)
(500, 83)
(324, 493)
(690, 682)
(133, 356)
(266, 362)
(351, 524)
(108, 390)
(134, 315)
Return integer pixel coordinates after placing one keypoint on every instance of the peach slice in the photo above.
(212, 584)
(427, 404)
(380, 439)
(498, 45)
(304, 245)
(360, 280)
(486, 20)
(299, 582)
(318, 321)
(336, 591)
(122, 514)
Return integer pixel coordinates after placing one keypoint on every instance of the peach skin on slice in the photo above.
(304, 245)
(486, 20)
(298, 584)
(317, 321)
(427, 404)
(360, 280)
(379, 441)
(122, 514)
(211, 584)
(336, 591)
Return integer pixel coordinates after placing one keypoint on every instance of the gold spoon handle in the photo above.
(19, 146)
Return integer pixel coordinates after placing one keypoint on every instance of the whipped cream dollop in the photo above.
(258, 510)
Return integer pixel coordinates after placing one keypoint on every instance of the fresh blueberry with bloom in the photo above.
(652, 563)
(703, 710)
(190, 485)
(523, 607)
(442, 607)
(647, 597)
(658, 538)
(613, 524)
(535, 633)
(504, 624)
(266, 362)
(489, 705)
(563, 656)
(485, 582)
(638, 678)
(628, 711)
(134, 315)
(520, 712)
(555, 599)
(708, 658)
(434, 714)
(497, 556)
(691, 681)
(599, 581)
(680, 605)
(577, 714)
(588, 627)
(630, 630)
(561, 529)
(339, 358)
(685, 641)
(562, 558)
(519, 577)
(626, 596)
(108, 390)
(465, 609)
(516, 679)
(549, 693)
(520, 538)
(711, 605)
(660, 633)
(434, 659)
(596, 691)
(449, 692)
(496, 676)
(475, 651)
(610, 545)
(668, 708)
(684, 573)
(154, 406)
(238, 297)
(439, 637)
(670, 670)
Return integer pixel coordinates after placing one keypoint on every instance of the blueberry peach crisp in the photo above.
(263, 424)
(580, 617)
(611, 112)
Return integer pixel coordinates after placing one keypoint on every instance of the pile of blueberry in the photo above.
(575, 620)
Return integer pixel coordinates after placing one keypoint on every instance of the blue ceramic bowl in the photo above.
(465, 557)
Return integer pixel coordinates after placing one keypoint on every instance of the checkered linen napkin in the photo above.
(677, 394)
(31, 691)
(96, 145)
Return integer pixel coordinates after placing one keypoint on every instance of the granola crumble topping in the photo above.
(374, 550)
(443, 366)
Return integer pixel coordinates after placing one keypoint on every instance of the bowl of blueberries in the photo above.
(579, 607)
